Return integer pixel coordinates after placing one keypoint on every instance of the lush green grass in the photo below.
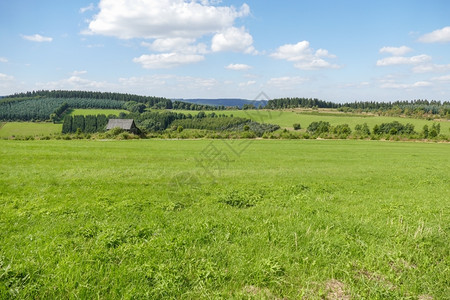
(260, 219)
(28, 129)
(94, 112)
(289, 117)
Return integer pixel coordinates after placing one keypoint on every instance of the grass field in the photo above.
(28, 129)
(224, 219)
(94, 112)
(288, 118)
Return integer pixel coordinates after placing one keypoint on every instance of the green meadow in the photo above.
(28, 129)
(227, 219)
(286, 118)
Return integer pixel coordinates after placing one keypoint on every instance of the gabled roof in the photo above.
(125, 124)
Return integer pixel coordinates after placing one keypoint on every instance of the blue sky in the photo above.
(333, 50)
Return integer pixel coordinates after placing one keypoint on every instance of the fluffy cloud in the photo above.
(87, 8)
(8, 84)
(174, 26)
(78, 73)
(304, 56)
(195, 83)
(3, 60)
(402, 60)
(437, 36)
(178, 86)
(4, 77)
(286, 82)
(155, 19)
(37, 38)
(167, 60)
(75, 83)
(396, 51)
(248, 83)
(394, 85)
(238, 67)
(179, 45)
(431, 68)
(441, 78)
(233, 39)
(422, 63)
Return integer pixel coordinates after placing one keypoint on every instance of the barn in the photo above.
(125, 124)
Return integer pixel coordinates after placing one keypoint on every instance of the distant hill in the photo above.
(225, 102)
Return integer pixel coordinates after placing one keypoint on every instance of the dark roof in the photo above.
(125, 124)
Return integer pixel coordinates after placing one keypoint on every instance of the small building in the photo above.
(125, 124)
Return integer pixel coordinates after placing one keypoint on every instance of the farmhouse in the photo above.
(125, 124)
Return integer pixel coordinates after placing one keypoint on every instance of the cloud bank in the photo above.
(304, 57)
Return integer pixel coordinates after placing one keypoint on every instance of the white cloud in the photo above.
(248, 83)
(394, 85)
(238, 67)
(4, 77)
(402, 60)
(174, 26)
(396, 51)
(87, 8)
(316, 64)
(167, 60)
(37, 38)
(441, 78)
(287, 82)
(155, 19)
(431, 68)
(357, 85)
(166, 84)
(8, 84)
(95, 46)
(155, 80)
(179, 45)
(233, 39)
(189, 82)
(437, 36)
(297, 52)
(304, 56)
(75, 83)
(3, 60)
(78, 73)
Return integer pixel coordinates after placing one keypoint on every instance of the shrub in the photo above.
(114, 132)
(342, 130)
(362, 129)
(297, 126)
(123, 136)
(394, 128)
(319, 127)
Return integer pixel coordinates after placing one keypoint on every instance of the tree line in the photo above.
(86, 124)
(299, 102)
(149, 101)
(42, 109)
(414, 107)
(193, 106)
